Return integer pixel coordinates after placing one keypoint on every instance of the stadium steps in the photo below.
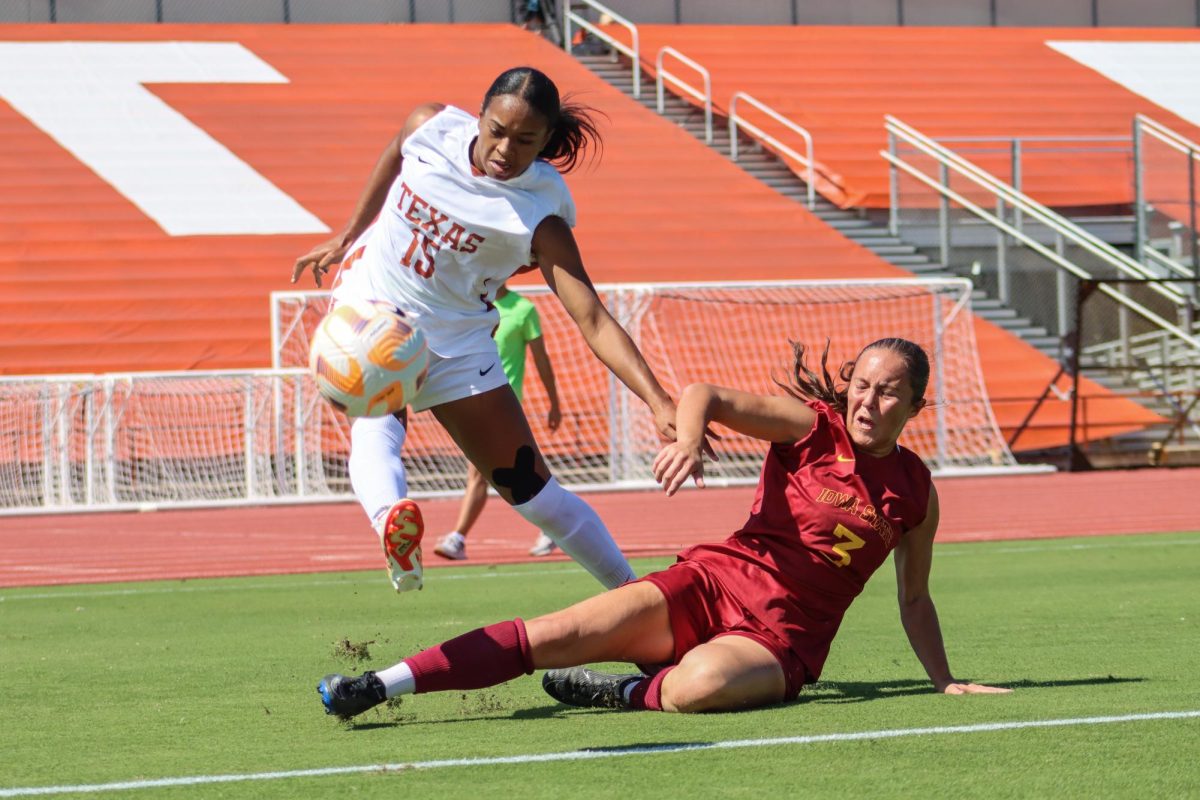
(1152, 446)
(948, 81)
(858, 226)
(851, 223)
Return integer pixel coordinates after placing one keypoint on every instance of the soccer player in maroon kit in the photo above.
(748, 621)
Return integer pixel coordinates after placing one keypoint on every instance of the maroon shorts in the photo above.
(701, 610)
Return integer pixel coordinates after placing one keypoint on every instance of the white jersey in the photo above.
(448, 237)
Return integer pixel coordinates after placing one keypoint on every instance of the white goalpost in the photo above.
(261, 436)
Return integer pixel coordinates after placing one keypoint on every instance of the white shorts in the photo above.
(458, 377)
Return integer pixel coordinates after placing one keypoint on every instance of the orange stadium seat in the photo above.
(91, 284)
(839, 82)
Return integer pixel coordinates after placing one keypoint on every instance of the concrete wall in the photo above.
(1072, 13)
(300, 11)
(24, 11)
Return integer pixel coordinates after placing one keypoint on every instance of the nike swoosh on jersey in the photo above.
(843, 460)
(483, 372)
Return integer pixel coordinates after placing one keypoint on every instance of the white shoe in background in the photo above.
(452, 546)
(544, 546)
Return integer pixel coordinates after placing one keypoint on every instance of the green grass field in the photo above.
(140, 682)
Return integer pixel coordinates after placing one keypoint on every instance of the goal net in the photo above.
(734, 335)
(192, 438)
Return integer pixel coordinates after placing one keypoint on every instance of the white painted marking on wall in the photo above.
(1165, 73)
(89, 97)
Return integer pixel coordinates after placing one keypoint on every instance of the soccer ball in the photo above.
(367, 360)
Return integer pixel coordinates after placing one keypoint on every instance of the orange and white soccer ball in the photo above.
(367, 360)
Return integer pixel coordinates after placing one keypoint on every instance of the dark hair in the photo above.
(572, 125)
(808, 385)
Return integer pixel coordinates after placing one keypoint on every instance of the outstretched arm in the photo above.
(914, 557)
(767, 417)
(324, 255)
(558, 255)
(541, 359)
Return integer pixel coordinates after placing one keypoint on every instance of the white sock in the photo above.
(577, 529)
(376, 469)
(397, 679)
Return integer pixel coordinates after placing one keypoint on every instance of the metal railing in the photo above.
(1180, 202)
(1153, 351)
(705, 97)
(633, 50)
(1005, 197)
(737, 123)
(1169, 265)
(1019, 149)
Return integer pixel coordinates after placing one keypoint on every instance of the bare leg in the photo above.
(474, 499)
(629, 623)
(492, 431)
(726, 674)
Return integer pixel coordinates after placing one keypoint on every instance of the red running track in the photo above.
(93, 548)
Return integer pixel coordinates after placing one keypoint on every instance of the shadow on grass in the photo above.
(857, 692)
(824, 692)
(410, 720)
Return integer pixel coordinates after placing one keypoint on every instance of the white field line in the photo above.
(590, 755)
(960, 549)
(237, 585)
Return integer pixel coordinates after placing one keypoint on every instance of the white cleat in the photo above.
(400, 531)
(452, 546)
(544, 546)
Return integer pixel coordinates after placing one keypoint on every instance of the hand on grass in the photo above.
(972, 688)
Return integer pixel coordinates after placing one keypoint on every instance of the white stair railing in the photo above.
(737, 122)
(1147, 132)
(705, 96)
(949, 163)
(632, 50)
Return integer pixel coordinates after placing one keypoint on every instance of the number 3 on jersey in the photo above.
(852, 542)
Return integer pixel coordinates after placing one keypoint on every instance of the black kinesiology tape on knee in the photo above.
(522, 480)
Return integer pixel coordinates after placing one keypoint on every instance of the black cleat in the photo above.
(580, 686)
(346, 697)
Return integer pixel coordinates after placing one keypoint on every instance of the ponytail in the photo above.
(806, 385)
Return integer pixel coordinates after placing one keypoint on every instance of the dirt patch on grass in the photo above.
(354, 652)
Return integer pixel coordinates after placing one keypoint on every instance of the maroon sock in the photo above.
(483, 657)
(647, 695)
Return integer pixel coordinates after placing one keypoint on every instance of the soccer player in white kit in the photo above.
(454, 207)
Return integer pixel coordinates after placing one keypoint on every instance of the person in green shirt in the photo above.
(520, 329)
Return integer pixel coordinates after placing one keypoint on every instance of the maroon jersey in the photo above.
(824, 519)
